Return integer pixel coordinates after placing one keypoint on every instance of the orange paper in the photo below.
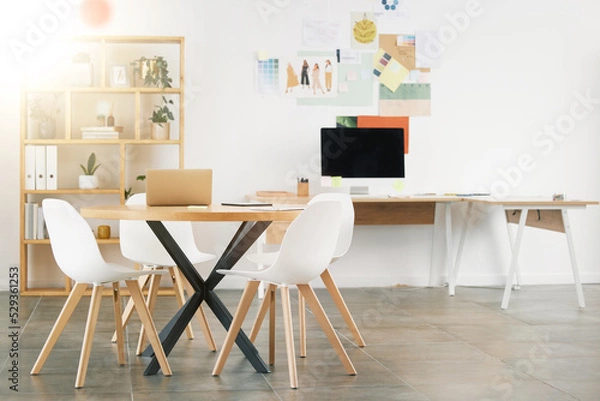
(385, 122)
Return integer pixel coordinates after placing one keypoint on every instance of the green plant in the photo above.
(91, 165)
(162, 114)
(129, 191)
(154, 71)
(43, 110)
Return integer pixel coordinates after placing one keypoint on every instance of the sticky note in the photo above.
(336, 182)
(398, 185)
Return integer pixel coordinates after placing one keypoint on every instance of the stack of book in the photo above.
(101, 132)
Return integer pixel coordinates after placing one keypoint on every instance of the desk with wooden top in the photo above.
(546, 214)
(253, 223)
(406, 210)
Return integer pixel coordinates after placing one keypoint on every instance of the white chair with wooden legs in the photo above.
(306, 251)
(78, 256)
(342, 246)
(140, 245)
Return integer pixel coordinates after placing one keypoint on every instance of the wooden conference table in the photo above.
(253, 223)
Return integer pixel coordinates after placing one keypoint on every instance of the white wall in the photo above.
(507, 74)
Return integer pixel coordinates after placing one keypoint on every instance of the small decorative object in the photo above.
(152, 72)
(160, 120)
(45, 114)
(302, 186)
(101, 118)
(88, 180)
(118, 76)
(558, 197)
(103, 232)
(110, 120)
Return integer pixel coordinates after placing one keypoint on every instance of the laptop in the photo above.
(178, 187)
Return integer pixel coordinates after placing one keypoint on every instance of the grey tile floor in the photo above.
(421, 345)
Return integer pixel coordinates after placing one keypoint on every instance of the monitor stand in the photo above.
(359, 190)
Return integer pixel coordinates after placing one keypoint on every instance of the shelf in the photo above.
(102, 141)
(73, 191)
(110, 241)
(77, 107)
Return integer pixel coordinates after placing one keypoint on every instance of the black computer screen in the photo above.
(362, 152)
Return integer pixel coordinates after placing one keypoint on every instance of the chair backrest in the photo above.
(73, 243)
(308, 245)
(347, 225)
(139, 244)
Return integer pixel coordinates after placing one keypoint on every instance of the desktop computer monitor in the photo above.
(362, 156)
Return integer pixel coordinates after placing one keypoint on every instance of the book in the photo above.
(99, 135)
(115, 128)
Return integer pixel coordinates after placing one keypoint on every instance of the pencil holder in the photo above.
(302, 187)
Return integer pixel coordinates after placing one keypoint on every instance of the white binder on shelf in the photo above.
(29, 167)
(51, 167)
(40, 167)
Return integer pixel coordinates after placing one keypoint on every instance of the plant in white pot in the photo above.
(160, 120)
(88, 180)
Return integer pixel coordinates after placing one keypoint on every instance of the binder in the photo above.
(51, 167)
(29, 167)
(40, 167)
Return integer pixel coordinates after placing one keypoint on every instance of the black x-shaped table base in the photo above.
(245, 236)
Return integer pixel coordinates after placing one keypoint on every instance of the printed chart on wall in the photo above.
(267, 76)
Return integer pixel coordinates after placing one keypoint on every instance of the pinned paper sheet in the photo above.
(326, 181)
(390, 72)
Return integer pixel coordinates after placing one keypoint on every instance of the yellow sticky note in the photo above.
(336, 182)
(398, 185)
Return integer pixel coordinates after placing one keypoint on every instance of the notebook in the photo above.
(178, 187)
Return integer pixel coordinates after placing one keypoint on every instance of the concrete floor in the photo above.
(421, 345)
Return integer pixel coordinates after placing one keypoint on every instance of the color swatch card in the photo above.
(389, 72)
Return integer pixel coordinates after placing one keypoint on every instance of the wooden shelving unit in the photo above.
(135, 107)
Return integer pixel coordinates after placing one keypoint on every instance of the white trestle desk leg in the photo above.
(514, 259)
(435, 235)
(517, 285)
(578, 287)
(448, 215)
(452, 275)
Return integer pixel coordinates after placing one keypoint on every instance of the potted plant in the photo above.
(160, 120)
(44, 113)
(153, 71)
(88, 180)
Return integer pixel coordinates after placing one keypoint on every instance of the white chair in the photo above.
(343, 244)
(140, 245)
(78, 256)
(306, 251)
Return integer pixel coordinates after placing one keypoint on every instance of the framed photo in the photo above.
(118, 76)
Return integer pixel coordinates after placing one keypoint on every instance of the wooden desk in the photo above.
(254, 222)
(416, 210)
(546, 214)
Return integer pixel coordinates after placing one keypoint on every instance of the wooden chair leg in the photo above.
(148, 324)
(289, 335)
(88, 336)
(302, 324)
(262, 312)
(179, 296)
(342, 307)
(118, 323)
(317, 309)
(150, 302)
(129, 306)
(272, 289)
(63, 318)
(236, 325)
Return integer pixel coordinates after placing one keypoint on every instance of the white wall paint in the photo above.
(512, 70)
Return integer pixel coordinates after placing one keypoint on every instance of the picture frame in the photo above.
(118, 76)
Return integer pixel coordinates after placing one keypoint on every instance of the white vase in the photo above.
(160, 131)
(88, 182)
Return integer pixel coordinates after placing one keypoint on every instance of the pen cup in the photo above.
(302, 187)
